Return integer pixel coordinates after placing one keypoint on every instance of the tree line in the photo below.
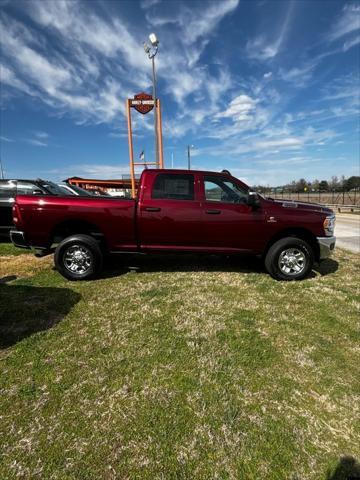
(334, 185)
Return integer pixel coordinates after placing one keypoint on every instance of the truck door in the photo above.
(169, 212)
(228, 222)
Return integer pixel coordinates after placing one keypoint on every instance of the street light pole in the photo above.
(151, 52)
(155, 110)
(189, 147)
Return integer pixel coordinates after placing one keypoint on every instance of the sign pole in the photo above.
(159, 134)
(131, 150)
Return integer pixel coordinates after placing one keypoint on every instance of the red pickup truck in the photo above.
(176, 211)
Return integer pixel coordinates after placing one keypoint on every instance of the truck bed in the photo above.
(41, 217)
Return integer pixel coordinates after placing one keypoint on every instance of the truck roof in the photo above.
(153, 171)
(183, 171)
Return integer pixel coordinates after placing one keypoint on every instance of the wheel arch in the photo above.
(75, 226)
(302, 233)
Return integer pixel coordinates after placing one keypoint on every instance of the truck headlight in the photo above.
(329, 225)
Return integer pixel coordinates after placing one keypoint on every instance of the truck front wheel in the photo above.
(78, 257)
(289, 258)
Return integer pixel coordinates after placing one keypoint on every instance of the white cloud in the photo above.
(40, 134)
(90, 171)
(288, 160)
(59, 83)
(8, 77)
(35, 142)
(145, 4)
(291, 142)
(351, 43)
(203, 22)
(266, 46)
(104, 45)
(195, 23)
(299, 75)
(32, 64)
(240, 109)
(6, 139)
(75, 22)
(267, 75)
(348, 22)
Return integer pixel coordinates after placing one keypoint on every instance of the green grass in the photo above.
(9, 249)
(180, 368)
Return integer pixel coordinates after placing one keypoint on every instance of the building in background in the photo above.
(115, 187)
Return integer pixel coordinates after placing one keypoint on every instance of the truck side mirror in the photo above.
(253, 200)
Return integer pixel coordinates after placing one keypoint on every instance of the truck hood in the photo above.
(294, 205)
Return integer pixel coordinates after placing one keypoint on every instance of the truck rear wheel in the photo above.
(289, 258)
(78, 257)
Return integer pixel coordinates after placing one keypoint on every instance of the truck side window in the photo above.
(218, 189)
(174, 186)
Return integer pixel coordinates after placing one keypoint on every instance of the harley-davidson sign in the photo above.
(142, 102)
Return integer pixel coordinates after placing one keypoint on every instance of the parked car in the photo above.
(176, 211)
(10, 188)
(74, 189)
(99, 192)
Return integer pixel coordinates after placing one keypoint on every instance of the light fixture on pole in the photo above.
(189, 148)
(151, 51)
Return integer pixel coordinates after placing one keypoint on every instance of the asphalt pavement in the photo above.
(347, 231)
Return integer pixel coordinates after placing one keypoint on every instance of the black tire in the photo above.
(78, 257)
(290, 258)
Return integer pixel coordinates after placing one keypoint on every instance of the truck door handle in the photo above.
(213, 212)
(152, 209)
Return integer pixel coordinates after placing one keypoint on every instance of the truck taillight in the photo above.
(16, 215)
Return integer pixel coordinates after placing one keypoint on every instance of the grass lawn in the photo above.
(9, 249)
(179, 368)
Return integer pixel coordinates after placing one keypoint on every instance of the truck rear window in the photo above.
(174, 186)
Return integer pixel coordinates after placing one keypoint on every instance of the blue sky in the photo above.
(266, 89)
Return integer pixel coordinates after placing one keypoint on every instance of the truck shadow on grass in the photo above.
(120, 264)
(25, 310)
(326, 267)
(117, 265)
(348, 468)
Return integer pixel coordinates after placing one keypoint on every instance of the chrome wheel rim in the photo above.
(78, 259)
(292, 261)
